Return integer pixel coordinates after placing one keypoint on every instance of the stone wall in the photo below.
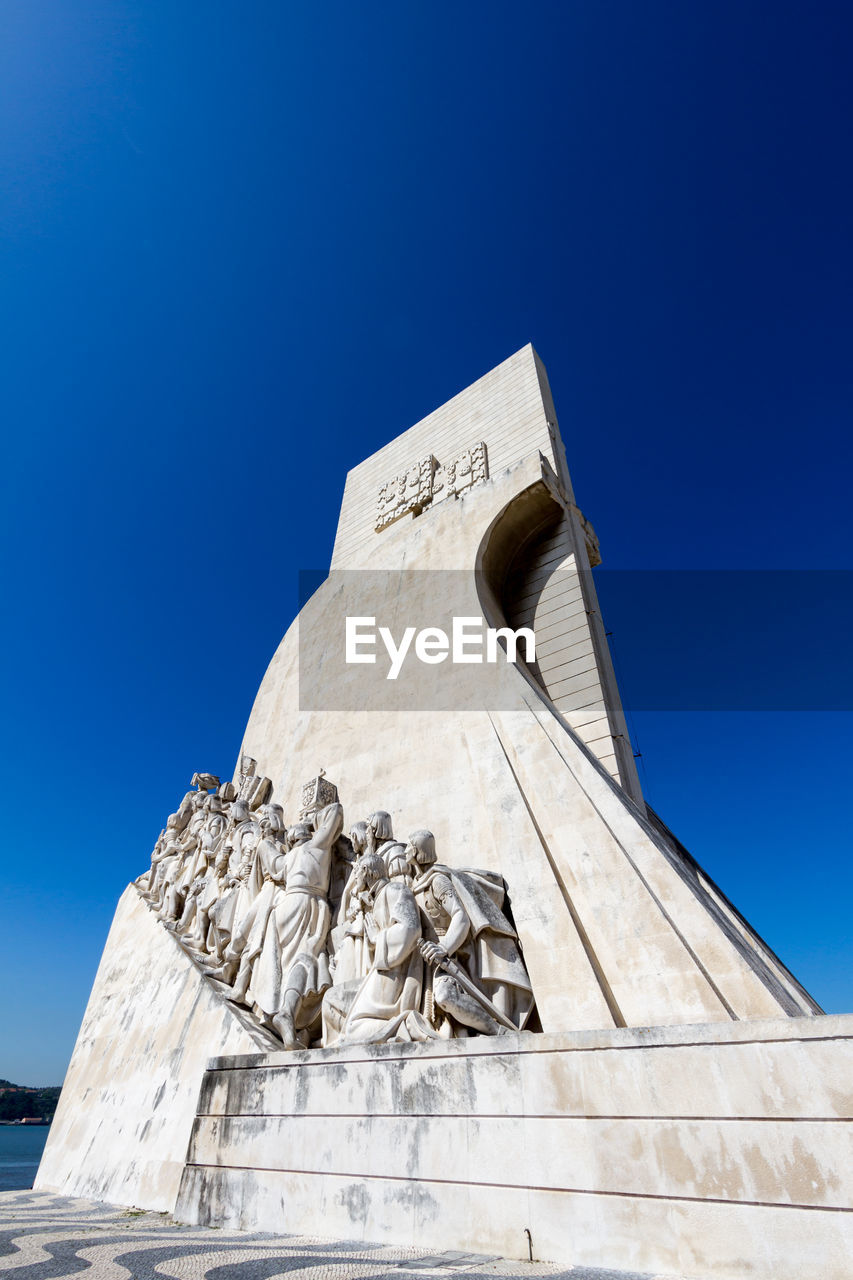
(700, 1151)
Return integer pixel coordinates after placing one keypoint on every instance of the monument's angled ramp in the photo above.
(125, 1116)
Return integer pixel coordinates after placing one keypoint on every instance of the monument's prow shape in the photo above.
(535, 1023)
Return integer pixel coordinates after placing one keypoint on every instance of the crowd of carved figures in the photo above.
(330, 937)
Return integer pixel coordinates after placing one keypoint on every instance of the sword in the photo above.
(455, 971)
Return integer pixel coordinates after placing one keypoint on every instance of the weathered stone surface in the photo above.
(125, 1115)
(701, 1150)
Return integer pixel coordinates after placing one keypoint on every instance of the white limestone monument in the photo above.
(428, 969)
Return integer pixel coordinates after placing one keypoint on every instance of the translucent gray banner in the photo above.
(706, 640)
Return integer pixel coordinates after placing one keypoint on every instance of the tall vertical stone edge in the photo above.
(686, 1106)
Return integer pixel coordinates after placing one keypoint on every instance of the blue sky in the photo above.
(246, 245)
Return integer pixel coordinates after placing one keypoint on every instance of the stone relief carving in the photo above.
(410, 491)
(428, 482)
(316, 794)
(329, 938)
(468, 469)
(254, 790)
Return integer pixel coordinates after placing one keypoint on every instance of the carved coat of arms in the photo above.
(428, 482)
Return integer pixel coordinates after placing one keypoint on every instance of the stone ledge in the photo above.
(838, 1026)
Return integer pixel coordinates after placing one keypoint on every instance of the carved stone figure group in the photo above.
(331, 938)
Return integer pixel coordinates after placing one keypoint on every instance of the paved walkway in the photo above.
(50, 1237)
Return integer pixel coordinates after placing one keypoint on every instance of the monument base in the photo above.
(707, 1150)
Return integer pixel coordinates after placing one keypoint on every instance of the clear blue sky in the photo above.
(244, 245)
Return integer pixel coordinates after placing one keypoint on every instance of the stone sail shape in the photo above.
(125, 1116)
(619, 925)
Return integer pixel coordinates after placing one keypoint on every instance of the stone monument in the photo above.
(468, 987)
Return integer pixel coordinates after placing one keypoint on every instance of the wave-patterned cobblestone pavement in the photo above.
(51, 1237)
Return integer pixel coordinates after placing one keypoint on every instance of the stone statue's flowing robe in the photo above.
(164, 869)
(386, 1005)
(295, 935)
(232, 909)
(353, 958)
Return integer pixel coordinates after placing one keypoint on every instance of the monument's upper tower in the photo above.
(487, 430)
(509, 409)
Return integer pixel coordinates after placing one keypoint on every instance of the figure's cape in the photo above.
(495, 954)
(481, 893)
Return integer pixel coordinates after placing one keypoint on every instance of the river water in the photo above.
(21, 1146)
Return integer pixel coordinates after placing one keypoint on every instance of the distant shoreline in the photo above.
(28, 1104)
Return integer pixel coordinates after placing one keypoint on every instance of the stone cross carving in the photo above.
(428, 482)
